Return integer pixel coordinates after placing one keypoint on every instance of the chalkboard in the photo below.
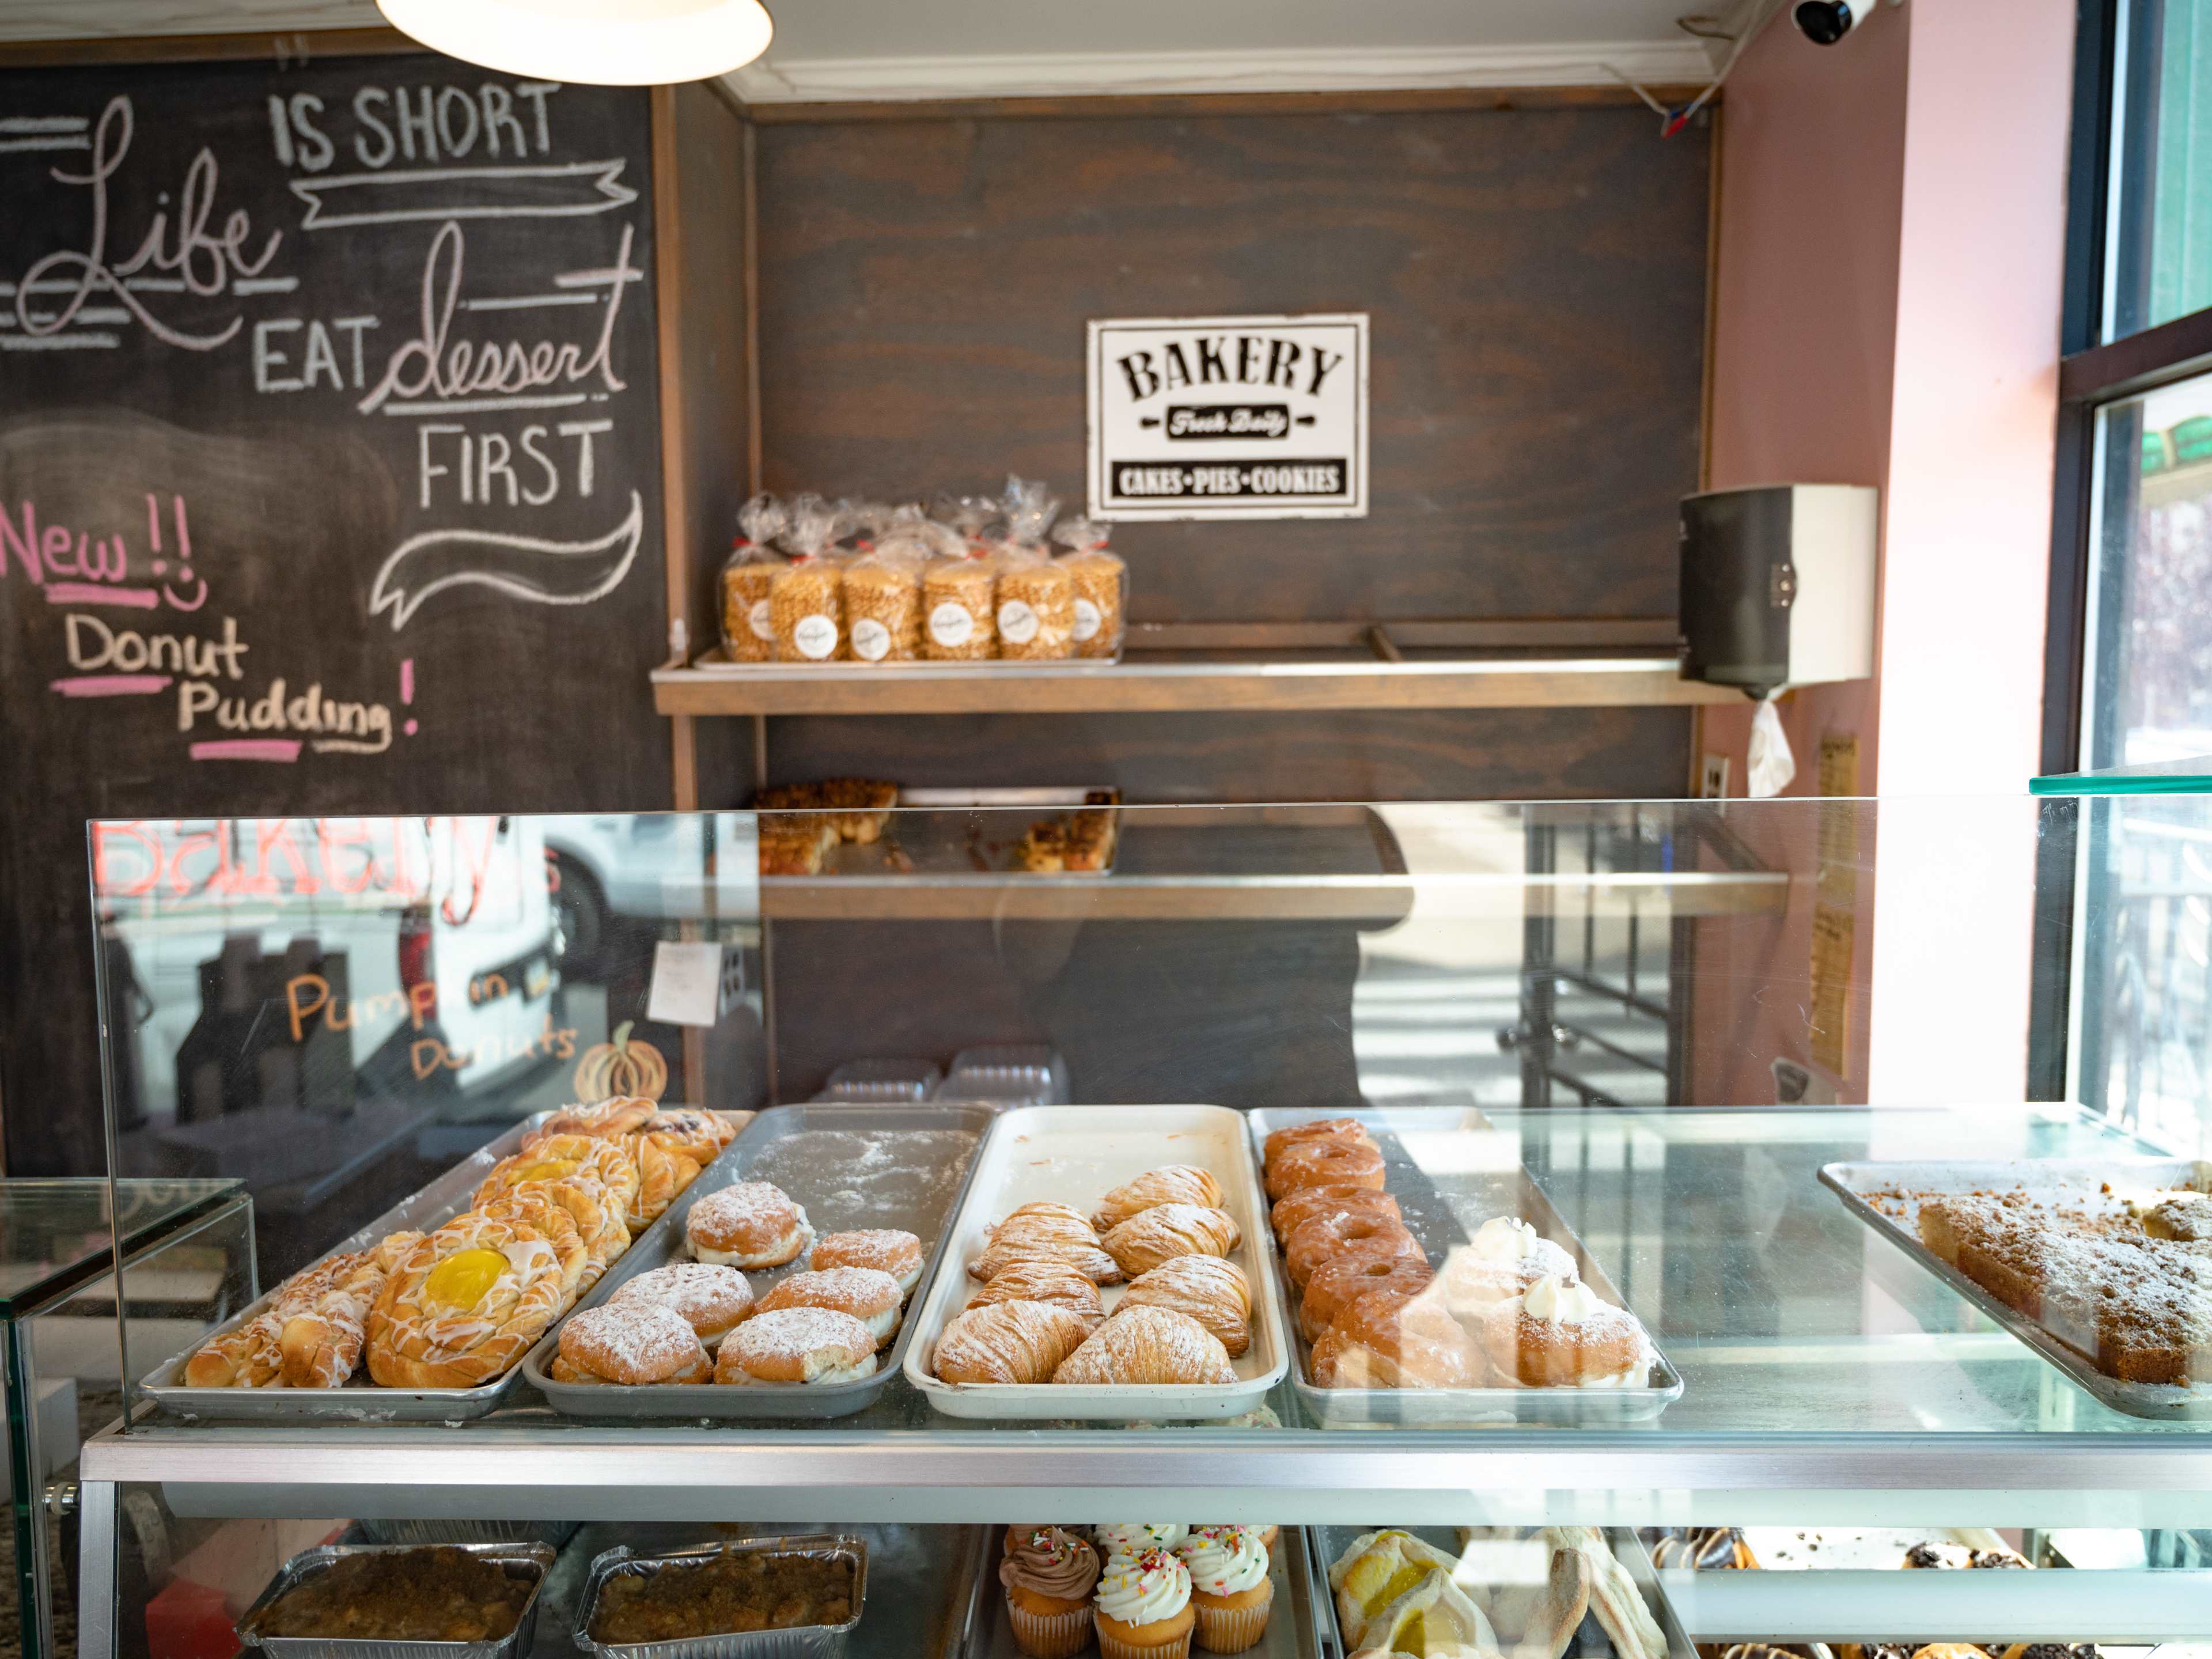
(330, 477)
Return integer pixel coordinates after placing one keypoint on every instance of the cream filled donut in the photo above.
(868, 1294)
(796, 1345)
(712, 1300)
(1559, 1334)
(1503, 1259)
(752, 1224)
(887, 1249)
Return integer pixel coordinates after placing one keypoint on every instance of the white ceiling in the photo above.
(949, 48)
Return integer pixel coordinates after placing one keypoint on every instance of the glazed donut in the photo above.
(714, 1301)
(751, 1224)
(1337, 1284)
(887, 1249)
(556, 1226)
(557, 1157)
(1167, 1230)
(1388, 1340)
(631, 1344)
(1053, 1283)
(465, 1306)
(1560, 1335)
(1177, 1183)
(661, 1174)
(1333, 1199)
(1325, 1163)
(601, 1120)
(1328, 1238)
(796, 1345)
(1321, 1128)
(868, 1294)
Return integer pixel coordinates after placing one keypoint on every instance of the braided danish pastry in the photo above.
(249, 1356)
(1167, 1230)
(662, 1175)
(604, 1120)
(1177, 1183)
(1008, 1342)
(322, 1319)
(528, 1205)
(465, 1306)
(1148, 1346)
(559, 1157)
(599, 1222)
(699, 1136)
(1209, 1289)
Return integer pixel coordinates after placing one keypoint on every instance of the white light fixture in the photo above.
(625, 43)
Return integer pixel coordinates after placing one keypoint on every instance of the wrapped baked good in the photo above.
(748, 635)
(883, 586)
(1101, 585)
(806, 602)
(1035, 597)
(959, 606)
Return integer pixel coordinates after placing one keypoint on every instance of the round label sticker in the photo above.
(815, 637)
(871, 641)
(1017, 622)
(1086, 620)
(763, 627)
(950, 625)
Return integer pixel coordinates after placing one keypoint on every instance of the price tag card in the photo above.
(687, 984)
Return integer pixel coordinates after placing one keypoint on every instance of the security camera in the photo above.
(1824, 23)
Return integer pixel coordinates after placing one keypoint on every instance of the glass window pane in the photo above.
(2162, 252)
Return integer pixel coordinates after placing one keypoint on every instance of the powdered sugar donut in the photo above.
(713, 1300)
(887, 1249)
(752, 1224)
(798, 1345)
(870, 1296)
(629, 1343)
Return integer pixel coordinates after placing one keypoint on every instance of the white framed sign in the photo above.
(1228, 417)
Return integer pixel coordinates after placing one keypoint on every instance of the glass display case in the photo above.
(1500, 1177)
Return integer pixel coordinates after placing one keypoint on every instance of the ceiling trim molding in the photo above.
(879, 80)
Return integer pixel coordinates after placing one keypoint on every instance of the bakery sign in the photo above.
(1228, 417)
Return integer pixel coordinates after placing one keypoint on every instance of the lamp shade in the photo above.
(602, 42)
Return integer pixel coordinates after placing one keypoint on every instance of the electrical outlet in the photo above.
(1713, 778)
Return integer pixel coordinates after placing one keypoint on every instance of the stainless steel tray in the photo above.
(422, 1532)
(815, 1153)
(1295, 1627)
(361, 1400)
(1851, 1182)
(530, 1560)
(1505, 1187)
(806, 1642)
(1589, 1640)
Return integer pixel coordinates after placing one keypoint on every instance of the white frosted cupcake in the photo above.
(1143, 1608)
(1230, 1589)
(1135, 1537)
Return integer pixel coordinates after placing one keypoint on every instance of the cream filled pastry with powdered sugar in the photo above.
(1561, 1334)
(751, 1224)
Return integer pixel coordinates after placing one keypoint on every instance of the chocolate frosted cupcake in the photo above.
(1047, 1574)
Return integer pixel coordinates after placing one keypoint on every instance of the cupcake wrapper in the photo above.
(1232, 1630)
(1110, 1648)
(1050, 1635)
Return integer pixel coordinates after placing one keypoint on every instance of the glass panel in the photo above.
(2162, 252)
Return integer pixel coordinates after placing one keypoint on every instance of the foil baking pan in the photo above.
(806, 1641)
(521, 1561)
(437, 1530)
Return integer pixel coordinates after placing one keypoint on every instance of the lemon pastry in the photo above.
(1167, 1230)
(1376, 1569)
(1210, 1289)
(559, 1157)
(1146, 1346)
(1008, 1342)
(465, 1306)
(556, 1227)
(1177, 1183)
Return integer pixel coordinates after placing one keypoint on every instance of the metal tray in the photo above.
(810, 1151)
(530, 1560)
(423, 1531)
(806, 1642)
(1589, 1640)
(1079, 1154)
(360, 1401)
(1501, 1185)
(934, 838)
(1851, 1182)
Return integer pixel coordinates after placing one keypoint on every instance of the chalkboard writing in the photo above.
(329, 465)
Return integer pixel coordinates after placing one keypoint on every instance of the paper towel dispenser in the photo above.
(1778, 586)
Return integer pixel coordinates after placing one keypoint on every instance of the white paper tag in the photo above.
(1086, 620)
(763, 627)
(687, 984)
(871, 641)
(815, 636)
(950, 624)
(1017, 622)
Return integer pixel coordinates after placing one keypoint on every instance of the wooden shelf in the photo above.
(1148, 682)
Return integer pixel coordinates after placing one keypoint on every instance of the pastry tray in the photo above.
(1494, 1183)
(533, 1561)
(713, 661)
(934, 838)
(360, 1401)
(1853, 1182)
(849, 1164)
(1295, 1629)
(1079, 1154)
(802, 1641)
(1589, 1640)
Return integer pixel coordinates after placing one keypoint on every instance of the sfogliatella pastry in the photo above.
(1146, 1346)
(1506, 1257)
(465, 1306)
(1053, 1282)
(1559, 1334)
(1142, 1609)
(868, 1294)
(1229, 1586)
(1008, 1342)
(632, 1344)
(1048, 1573)
(712, 1300)
(1386, 1339)
(752, 1224)
(1373, 1239)
(1210, 1289)
(796, 1345)
(1046, 1232)
(1167, 1230)
(887, 1249)
(1337, 1285)
(1325, 1163)
(1177, 1183)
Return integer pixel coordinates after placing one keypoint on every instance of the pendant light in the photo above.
(601, 42)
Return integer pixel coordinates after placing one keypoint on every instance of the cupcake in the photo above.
(1135, 1538)
(1143, 1608)
(1047, 1574)
(1229, 1589)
